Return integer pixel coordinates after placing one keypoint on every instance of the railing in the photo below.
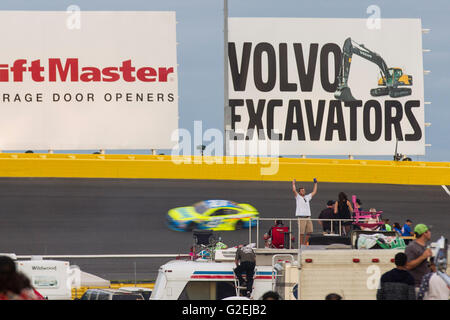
(332, 222)
(104, 256)
(133, 268)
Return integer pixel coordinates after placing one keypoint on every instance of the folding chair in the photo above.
(279, 235)
(366, 219)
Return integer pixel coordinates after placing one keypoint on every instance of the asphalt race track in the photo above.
(127, 216)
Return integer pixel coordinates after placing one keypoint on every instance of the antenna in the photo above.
(396, 155)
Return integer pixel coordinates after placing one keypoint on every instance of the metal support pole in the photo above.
(135, 274)
(257, 233)
(290, 231)
(226, 113)
(299, 262)
(250, 232)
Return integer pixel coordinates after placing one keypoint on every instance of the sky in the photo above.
(200, 50)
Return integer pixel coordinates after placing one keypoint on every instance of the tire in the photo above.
(239, 225)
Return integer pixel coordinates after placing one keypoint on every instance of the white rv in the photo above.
(53, 279)
(205, 279)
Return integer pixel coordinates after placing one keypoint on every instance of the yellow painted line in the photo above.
(223, 168)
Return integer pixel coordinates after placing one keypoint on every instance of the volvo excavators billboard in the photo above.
(326, 86)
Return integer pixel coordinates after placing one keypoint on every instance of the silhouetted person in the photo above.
(398, 283)
(271, 295)
(333, 296)
(14, 285)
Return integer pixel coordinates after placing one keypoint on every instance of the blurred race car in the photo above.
(217, 215)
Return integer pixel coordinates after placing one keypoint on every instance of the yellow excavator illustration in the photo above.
(389, 83)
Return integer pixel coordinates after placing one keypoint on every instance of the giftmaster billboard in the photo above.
(326, 86)
(88, 80)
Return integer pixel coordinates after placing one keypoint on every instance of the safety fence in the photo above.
(223, 168)
(335, 228)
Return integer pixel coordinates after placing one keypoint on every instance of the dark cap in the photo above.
(330, 202)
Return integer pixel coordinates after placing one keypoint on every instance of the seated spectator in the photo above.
(278, 223)
(268, 234)
(396, 226)
(397, 284)
(386, 226)
(277, 236)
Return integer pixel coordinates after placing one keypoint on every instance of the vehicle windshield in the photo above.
(203, 206)
(398, 73)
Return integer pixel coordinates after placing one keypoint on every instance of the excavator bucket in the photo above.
(344, 94)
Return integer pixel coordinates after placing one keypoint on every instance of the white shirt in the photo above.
(437, 289)
(303, 208)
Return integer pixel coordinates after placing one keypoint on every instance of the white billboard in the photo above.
(326, 86)
(88, 80)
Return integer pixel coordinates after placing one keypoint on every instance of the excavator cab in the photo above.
(396, 78)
